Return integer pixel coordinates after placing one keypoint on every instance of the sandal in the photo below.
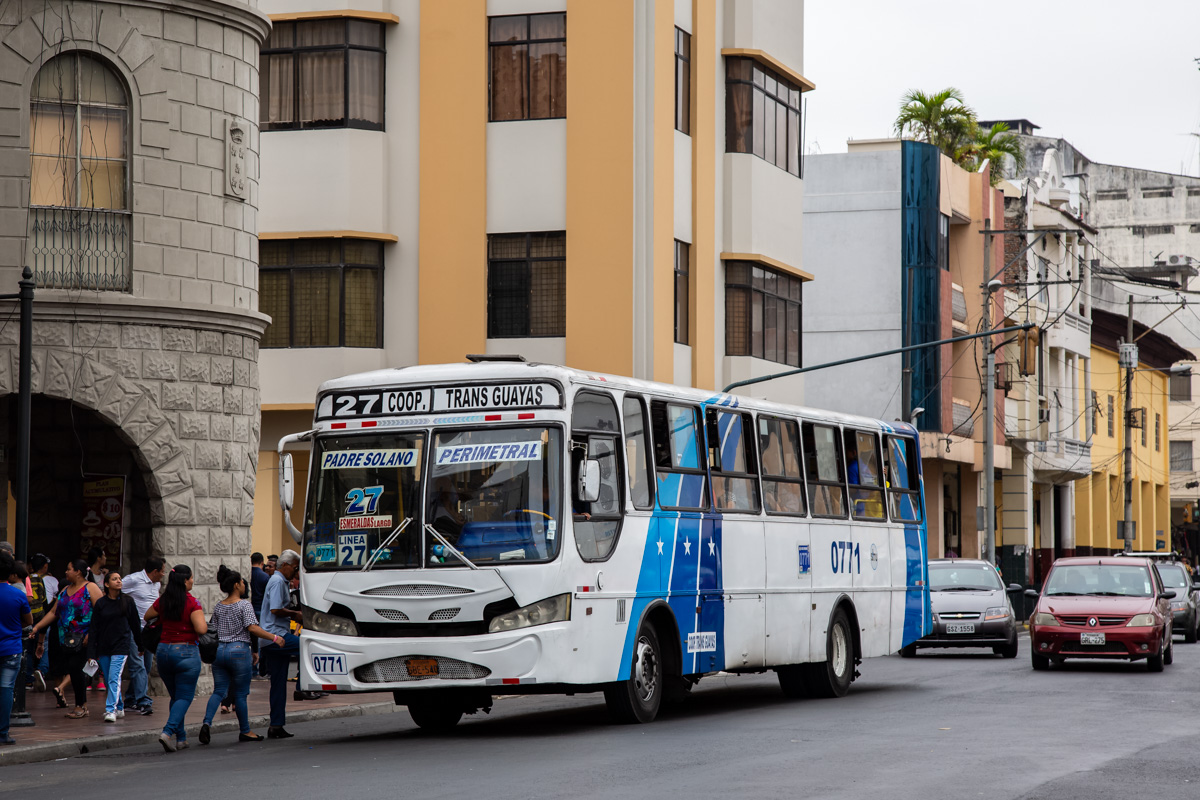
(59, 698)
(78, 713)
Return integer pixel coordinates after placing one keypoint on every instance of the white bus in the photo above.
(507, 528)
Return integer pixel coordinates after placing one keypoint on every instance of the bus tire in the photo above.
(434, 717)
(792, 681)
(638, 699)
(832, 677)
(909, 650)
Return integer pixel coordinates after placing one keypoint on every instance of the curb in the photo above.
(71, 748)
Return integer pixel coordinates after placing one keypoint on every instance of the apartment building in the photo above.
(614, 186)
(904, 225)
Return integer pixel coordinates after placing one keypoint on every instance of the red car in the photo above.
(1102, 608)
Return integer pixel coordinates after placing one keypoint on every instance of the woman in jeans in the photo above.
(178, 656)
(235, 622)
(73, 612)
(114, 618)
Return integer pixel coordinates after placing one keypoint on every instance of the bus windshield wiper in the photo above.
(379, 550)
(454, 550)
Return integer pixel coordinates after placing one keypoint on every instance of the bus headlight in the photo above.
(552, 609)
(321, 622)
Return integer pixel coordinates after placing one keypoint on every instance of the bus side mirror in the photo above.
(287, 482)
(587, 484)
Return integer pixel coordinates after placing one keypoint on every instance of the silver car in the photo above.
(970, 608)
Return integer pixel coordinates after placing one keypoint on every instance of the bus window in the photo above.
(594, 431)
(826, 476)
(904, 486)
(864, 476)
(678, 458)
(637, 453)
(783, 482)
(731, 455)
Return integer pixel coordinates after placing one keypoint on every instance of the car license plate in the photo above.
(329, 664)
(1091, 638)
(960, 627)
(422, 667)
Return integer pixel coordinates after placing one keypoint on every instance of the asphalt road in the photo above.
(942, 725)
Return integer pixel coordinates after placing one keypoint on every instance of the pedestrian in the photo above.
(235, 623)
(96, 560)
(15, 617)
(38, 590)
(275, 616)
(258, 581)
(114, 624)
(178, 657)
(73, 613)
(143, 589)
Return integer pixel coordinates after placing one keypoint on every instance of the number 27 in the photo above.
(363, 501)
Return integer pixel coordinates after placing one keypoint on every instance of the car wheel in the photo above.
(832, 677)
(1040, 663)
(909, 650)
(638, 699)
(434, 717)
(1009, 650)
(1155, 663)
(1169, 653)
(1193, 627)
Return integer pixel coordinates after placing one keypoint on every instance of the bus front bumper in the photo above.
(363, 664)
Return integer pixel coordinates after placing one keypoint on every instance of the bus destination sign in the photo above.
(438, 400)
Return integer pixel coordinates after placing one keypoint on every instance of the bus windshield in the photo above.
(495, 494)
(363, 488)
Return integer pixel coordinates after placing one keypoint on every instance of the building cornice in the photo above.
(59, 305)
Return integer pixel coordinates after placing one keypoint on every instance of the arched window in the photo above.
(79, 177)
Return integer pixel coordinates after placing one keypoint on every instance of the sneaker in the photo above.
(205, 734)
(181, 744)
(120, 713)
(111, 716)
(146, 711)
(39, 681)
(8, 740)
(166, 742)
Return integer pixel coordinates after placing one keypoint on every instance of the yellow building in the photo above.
(614, 186)
(1100, 498)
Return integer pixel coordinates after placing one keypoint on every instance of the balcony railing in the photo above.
(80, 248)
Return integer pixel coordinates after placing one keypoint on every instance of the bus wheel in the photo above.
(637, 700)
(434, 717)
(792, 681)
(909, 650)
(832, 677)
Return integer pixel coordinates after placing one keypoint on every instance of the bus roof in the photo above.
(493, 371)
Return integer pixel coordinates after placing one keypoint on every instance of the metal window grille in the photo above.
(527, 285)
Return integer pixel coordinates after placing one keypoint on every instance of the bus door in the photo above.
(872, 542)
(831, 535)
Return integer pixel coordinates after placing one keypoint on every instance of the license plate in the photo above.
(422, 667)
(1091, 638)
(960, 627)
(329, 664)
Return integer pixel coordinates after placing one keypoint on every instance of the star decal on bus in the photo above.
(687, 546)
(712, 547)
(660, 545)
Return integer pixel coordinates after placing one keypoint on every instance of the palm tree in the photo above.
(993, 145)
(943, 119)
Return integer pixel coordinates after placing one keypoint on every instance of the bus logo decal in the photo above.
(702, 642)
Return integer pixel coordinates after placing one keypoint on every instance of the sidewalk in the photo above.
(55, 737)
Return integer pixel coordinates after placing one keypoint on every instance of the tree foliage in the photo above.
(944, 120)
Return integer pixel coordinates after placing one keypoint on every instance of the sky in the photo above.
(1115, 78)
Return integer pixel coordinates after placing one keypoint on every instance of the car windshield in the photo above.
(363, 488)
(1099, 579)
(963, 578)
(1174, 576)
(496, 495)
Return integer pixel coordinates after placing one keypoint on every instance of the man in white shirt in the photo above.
(143, 588)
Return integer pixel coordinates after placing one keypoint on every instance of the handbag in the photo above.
(152, 635)
(207, 642)
(71, 642)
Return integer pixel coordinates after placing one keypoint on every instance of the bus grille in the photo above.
(392, 614)
(444, 613)
(393, 670)
(414, 590)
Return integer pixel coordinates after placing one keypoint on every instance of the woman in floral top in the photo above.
(73, 612)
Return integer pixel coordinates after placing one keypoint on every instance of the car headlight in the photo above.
(322, 622)
(1142, 621)
(1181, 606)
(997, 613)
(552, 609)
(1042, 618)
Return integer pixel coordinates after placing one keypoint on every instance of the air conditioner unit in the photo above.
(1179, 261)
(1043, 415)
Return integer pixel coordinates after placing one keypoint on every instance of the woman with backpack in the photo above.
(114, 618)
(235, 623)
(178, 657)
(73, 613)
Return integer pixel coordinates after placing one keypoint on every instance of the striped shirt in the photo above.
(232, 620)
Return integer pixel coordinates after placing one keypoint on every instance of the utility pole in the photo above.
(1129, 362)
(989, 422)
